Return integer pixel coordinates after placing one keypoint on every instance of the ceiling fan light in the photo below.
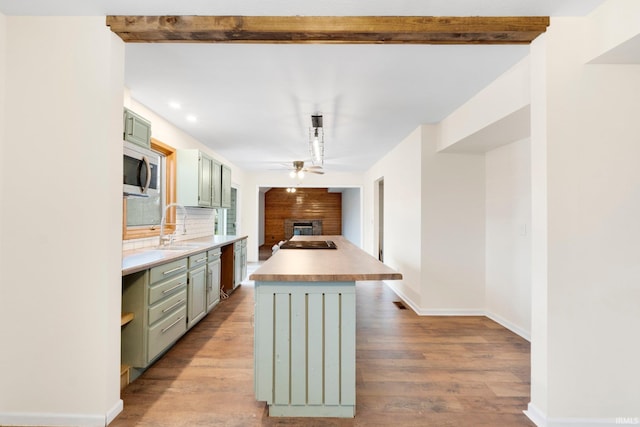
(300, 174)
(292, 174)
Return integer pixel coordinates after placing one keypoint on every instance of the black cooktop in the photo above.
(309, 244)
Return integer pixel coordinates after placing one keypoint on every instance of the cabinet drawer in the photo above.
(165, 332)
(197, 260)
(168, 287)
(167, 270)
(214, 254)
(167, 306)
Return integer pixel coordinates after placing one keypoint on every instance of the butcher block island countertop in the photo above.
(347, 263)
(305, 327)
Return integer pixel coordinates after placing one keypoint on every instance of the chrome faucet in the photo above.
(163, 238)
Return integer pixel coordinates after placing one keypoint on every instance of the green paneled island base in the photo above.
(305, 327)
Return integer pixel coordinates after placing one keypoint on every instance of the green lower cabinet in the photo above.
(197, 295)
(197, 288)
(164, 302)
(157, 298)
(239, 262)
(213, 279)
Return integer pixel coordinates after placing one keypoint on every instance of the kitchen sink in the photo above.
(180, 247)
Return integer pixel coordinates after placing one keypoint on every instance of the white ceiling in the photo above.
(254, 103)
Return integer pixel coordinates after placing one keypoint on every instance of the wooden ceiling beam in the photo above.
(329, 29)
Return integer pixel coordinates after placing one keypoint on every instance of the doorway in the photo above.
(379, 218)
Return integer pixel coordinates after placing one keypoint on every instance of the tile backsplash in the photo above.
(200, 223)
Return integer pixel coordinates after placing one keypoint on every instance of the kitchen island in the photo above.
(305, 327)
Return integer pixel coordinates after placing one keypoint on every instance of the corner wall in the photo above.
(60, 264)
(452, 229)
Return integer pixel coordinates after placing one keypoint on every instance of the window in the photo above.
(141, 216)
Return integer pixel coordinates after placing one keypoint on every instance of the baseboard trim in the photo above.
(540, 420)
(114, 412)
(535, 415)
(458, 312)
(54, 420)
(513, 328)
(393, 286)
(61, 420)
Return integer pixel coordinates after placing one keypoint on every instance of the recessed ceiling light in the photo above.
(175, 105)
(192, 118)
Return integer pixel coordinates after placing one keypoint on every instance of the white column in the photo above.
(586, 210)
(61, 208)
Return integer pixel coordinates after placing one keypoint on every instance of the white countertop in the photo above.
(141, 259)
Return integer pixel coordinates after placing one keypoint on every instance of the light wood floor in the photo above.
(411, 371)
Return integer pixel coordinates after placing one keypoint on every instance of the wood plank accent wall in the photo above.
(305, 203)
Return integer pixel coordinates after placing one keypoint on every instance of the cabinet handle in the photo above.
(173, 270)
(148, 177)
(201, 260)
(173, 324)
(166, 291)
(173, 306)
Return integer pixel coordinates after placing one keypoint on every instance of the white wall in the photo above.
(352, 215)
(434, 223)
(508, 231)
(452, 229)
(592, 178)
(3, 68)
(60, 195)
(400, 169)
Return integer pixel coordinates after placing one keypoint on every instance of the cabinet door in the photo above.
(226, 187)
(205, 169)
(216, 184)
(213, 284)
(243, 262)
(137, 129)
(196, 295)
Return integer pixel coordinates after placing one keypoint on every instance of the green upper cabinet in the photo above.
(137, 129)
(201, 180)
(193, 178)
(226, 187)
(205, 178)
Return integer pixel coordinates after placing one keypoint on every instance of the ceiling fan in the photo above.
(299, 169)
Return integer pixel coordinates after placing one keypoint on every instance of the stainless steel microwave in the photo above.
(142, 170)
